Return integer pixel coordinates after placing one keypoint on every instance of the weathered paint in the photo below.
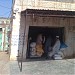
(21, 5)
(4, 24)
(50, 22)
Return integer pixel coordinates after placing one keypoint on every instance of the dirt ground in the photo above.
(4, 63)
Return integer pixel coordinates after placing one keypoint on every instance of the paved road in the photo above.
(49, 67)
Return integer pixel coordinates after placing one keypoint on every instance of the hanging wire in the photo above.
(4, 7)
(8, 12)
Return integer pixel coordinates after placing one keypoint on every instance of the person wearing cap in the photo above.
(56, 47)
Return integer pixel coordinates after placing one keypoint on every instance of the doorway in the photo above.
(34, 31)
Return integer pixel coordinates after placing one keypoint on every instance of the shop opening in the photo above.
(37, 40)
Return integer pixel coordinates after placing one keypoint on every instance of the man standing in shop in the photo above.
(55, 48)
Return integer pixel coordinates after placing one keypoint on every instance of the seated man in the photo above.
(55, 48)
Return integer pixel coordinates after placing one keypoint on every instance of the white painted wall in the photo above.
(15, 36)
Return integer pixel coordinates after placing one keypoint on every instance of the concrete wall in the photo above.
(15, 37)
(21, 5)
(67, 23)
(48, 5)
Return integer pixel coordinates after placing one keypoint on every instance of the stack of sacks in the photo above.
(59, 55)
(39, 50)
(33, 49)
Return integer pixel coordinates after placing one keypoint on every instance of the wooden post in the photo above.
(23, 41)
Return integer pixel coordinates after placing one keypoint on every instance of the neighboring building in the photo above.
(4, 28)
(32, 17)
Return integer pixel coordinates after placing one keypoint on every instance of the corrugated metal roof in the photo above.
(50, 12)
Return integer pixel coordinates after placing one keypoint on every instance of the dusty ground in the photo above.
(48, 67)
(4, 63)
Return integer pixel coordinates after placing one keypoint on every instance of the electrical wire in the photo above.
(9, 12)
(4, 7)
